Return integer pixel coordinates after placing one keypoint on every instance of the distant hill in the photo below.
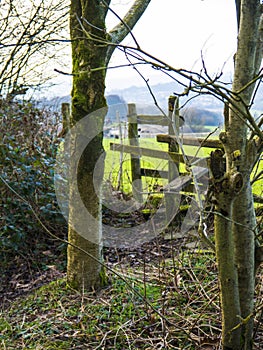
(202, 110)
(142, 95)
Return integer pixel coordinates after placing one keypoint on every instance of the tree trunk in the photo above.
(227, 272)
(225, 187)
(91, 52)
(83, 271)
(240, 155)
(247, 65)
(244, 238)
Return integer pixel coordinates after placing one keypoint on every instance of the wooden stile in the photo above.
(173, 156)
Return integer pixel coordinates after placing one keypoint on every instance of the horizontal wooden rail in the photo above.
(163, 174)
(191, 141)
(258, 199)
(182, 181)
(140, 151)
(149, 119)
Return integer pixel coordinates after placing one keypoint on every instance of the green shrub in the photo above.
(27, 156)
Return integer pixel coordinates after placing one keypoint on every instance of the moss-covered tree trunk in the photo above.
(87, 96)
(225, 189)
(234, 228)
(247, 64)
(92, 48)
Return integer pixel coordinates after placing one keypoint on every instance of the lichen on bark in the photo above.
(84, 270)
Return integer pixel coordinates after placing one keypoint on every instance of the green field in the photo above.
(123, 182)
(113, 169)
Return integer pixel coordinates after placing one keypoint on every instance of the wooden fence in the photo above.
(173, 155)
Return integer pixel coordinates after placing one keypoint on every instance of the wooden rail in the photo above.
(148, 119)
(181, 182)
(148, 152)
(191, 141)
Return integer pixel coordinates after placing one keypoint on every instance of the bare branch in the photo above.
(120, 31)
(30, 32)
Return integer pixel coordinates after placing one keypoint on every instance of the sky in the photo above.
(178, 31)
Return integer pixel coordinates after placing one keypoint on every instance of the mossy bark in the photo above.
(235, 236)
(225, 189)
(247, 64)
(91, 53)
(85, 271)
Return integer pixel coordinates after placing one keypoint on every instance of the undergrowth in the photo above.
(169, 304)
(27, 156)
(28, 144)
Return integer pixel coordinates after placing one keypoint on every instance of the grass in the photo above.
(167, 303)
(112, 166)
(150, 308)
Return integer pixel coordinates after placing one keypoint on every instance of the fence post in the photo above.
(65, 111)
(172, 200)
(135, 159)
(121, 153)
(173, 128)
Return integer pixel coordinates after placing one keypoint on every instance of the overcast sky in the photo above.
(177, 31)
